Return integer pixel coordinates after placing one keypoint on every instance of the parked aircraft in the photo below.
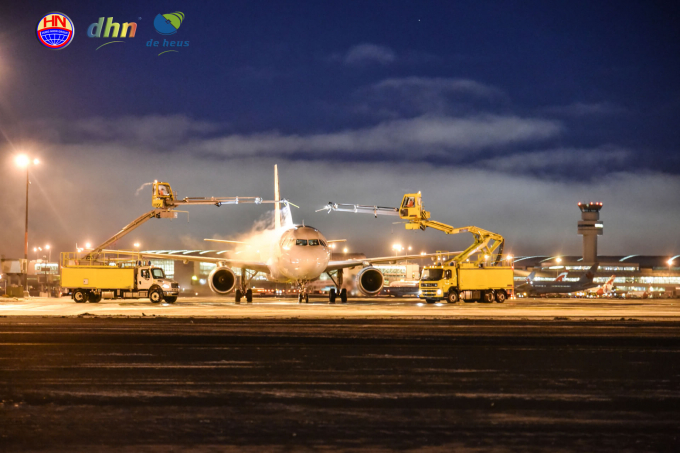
(538, 287)
(295, 253)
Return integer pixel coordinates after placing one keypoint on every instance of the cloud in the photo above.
(154, 130)
(406, 138)
(367, 54)
(578, 162)
(580, 109)
(536, 215)
(412, 96)
(436, 85)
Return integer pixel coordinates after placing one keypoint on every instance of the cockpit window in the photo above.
(322, 242)
(409, 202)
(313, 242)
(301, 242)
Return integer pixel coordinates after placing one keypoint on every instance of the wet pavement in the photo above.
(156, 383)
(358, 308)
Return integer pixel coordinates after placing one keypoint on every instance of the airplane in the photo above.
(536, 287)
(295, 253)
(603, 290)
(639, 294)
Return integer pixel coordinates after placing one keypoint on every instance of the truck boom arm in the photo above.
(164, 200)
(488, 245)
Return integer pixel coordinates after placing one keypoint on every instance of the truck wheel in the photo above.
(249, 295)
(487, 297)
(237, 296)
(501, 296)
(343, 295)
(331, 296)
(79, 296)
(171, 299)
(156, 296)
(94, 298)
(452, 297)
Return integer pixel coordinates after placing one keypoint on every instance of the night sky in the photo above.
(504, 114)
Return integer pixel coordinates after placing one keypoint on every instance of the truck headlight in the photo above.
(166, 286)
(439, 291)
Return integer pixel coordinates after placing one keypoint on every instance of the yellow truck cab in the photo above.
(466, 281)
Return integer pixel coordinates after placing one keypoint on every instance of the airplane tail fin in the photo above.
(277, 197)
(610, 283)
(562, 276)
(530, 277)
(590, 274)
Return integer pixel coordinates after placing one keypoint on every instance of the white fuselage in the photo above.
(300, 254)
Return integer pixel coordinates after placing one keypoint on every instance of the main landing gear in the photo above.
(338, 290)
(244, 291)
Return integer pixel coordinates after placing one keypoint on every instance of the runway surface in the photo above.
(357, 308)
(149, 383)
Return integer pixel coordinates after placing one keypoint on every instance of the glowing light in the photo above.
(558, 260)
(47, 247)
(194, 278)
(22, 160)
(35, 249)
(344, 250)
(423, 253)
(88, 245)
(670, 261)
(36, 161)
(136, 244)
(409, 248)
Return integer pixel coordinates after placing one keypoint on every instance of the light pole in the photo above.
(23, 160)
(49, 253)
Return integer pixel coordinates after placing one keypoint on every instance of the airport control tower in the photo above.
(590, 226)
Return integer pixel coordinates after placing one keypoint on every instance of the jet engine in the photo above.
(370, 281)
(222, 280)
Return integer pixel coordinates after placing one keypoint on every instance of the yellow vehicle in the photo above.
(115, 276)
(462, 276)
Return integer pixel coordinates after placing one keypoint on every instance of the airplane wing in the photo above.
(252, 265)
(225, 241)
(335, 265)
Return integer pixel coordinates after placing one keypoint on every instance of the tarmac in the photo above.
(374, 375)
(356, 308)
